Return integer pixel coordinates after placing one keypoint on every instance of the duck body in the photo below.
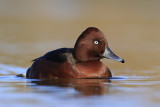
(60, 63)
(82, 61)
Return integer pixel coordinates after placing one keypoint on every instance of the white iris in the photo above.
(95, 42)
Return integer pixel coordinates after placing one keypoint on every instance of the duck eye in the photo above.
(95, 42)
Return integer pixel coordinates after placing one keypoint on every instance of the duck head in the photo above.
(92, 45)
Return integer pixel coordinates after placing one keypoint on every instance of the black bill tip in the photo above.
(123, 61)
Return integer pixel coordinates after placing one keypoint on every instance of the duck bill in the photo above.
(110, 55)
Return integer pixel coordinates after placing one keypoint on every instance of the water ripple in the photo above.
(11, 69)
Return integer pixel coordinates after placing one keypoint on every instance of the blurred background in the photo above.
(30, 28)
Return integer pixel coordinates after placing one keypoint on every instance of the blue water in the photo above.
(121, 91)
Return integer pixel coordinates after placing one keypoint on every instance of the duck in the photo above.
(82, 61)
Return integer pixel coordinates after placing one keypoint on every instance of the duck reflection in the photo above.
(85, 87)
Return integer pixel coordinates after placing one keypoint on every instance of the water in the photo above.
(28, 29)
(120, 91)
